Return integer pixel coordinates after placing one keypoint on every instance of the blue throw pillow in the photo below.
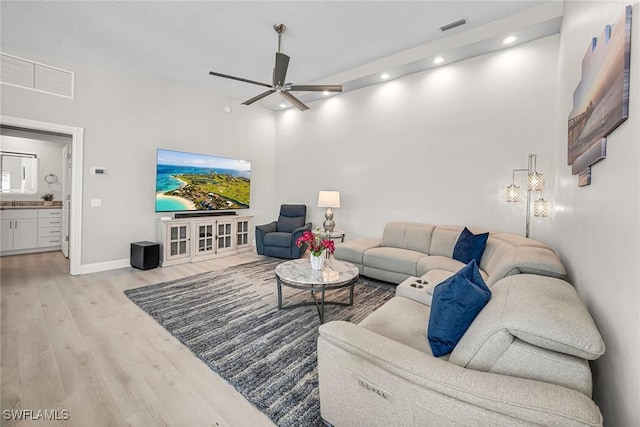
(456, 302)
(470, 246)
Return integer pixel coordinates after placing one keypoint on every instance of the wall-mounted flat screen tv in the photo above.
(198, 182)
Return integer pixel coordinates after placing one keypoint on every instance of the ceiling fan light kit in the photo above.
(279, 84)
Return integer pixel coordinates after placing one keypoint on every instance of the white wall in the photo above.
(595, 229)
(126, 117)
(49, 161)
(437, 146)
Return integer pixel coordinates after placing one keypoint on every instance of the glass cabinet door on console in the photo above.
(178, 241)
(243, 233)
(205, 239)
(225, 236)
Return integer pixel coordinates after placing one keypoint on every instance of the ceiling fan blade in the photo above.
(317, 88)
(258, 98)
(295, 101)
(226, 76)
(280, 71)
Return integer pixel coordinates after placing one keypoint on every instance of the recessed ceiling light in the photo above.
(384, 76)
(509, 40)
(325, 93)
(438, 60)
(283, 105)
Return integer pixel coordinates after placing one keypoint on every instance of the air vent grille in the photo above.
(452, 25)
(32, 75)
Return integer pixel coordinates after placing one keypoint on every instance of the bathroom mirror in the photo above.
(19, 172)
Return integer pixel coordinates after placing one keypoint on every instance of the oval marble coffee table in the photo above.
(298, 274)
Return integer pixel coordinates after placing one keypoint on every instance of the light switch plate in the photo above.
(96, 203)
(98, 170)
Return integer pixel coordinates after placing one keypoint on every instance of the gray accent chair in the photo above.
(278, 238)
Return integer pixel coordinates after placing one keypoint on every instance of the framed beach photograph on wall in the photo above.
(601, 99)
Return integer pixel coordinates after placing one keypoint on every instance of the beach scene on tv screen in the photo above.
(191, 182)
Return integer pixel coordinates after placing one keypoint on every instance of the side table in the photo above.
(333, 235)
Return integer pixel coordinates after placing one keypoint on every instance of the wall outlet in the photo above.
(96, 203)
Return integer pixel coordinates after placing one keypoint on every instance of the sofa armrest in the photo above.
(261, 230)
(543, 262)
(298, 232)
(296, 251)
(543, 311)
(266, 228)
(526, 260)
(416, 289)
(365, 377)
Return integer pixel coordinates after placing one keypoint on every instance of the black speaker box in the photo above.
(145, 255)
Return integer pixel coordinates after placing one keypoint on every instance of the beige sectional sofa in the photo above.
(523, 361)
(412, 249)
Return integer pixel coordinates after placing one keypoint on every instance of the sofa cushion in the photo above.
(402, 320)
(353, 250)
(470, 246)
(408, 235)
(384, 275)
(497, 260)
(444, 239)
(434, 262)
(438, 262)
(393, 259)
(436, 276)
(456, 302)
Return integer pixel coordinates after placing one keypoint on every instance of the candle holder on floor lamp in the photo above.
(535, 182)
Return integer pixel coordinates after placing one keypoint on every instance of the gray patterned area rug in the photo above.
(230, 320)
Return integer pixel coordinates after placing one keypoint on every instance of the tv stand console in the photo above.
(194, 239)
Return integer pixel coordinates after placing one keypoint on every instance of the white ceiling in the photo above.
(342, 40)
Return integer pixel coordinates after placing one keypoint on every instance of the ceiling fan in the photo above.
(279, 75)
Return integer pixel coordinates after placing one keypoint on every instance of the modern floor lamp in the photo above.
(329, 199)
(535, 182)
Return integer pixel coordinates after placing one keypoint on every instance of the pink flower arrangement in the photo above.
(315, 242)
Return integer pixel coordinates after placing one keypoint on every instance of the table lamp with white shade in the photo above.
(329, 199)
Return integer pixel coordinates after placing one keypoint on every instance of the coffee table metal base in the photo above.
(321, 288)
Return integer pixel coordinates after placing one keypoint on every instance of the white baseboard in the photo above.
(104, 266)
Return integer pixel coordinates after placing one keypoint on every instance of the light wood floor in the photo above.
(78, 343)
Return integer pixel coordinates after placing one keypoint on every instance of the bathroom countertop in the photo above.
(30, 207)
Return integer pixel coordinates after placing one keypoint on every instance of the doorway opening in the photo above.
(70, 184)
